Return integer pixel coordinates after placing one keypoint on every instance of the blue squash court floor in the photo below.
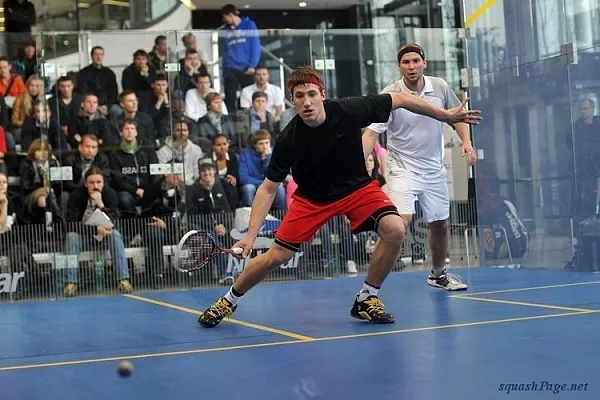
(535, 330)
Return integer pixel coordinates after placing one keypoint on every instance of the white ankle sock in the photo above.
(233, 299)
(438, 271)
(366, 291)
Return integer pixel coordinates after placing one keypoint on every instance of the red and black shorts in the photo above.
(364, 208)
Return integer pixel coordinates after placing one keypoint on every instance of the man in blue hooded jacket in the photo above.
(240, 52)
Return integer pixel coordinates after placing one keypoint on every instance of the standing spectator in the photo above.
(241, 50)
(19, 18)
(99, 80)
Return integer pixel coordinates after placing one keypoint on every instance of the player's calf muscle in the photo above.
(260, 266)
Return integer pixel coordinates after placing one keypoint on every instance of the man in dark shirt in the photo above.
(323, 147)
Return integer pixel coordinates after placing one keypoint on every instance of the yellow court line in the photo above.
(527, 289)
(230, 320)
(478, 12)
(521, 303)
(284, 343)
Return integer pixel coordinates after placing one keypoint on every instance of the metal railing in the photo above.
(65, 260)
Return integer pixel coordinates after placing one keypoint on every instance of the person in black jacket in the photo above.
(137, 76)
(209, 210)
(130, 169)
(94, 199)
(155, 102)
(81, 161)
(99, 80)
(90, 120)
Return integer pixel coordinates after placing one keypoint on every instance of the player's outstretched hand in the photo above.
(246, 243)
(459, 114)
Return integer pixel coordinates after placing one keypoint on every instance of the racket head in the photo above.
(194, 251)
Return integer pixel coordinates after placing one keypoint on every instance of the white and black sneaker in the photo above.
(446, 281)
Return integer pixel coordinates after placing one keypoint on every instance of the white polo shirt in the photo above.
(275, 97)
(195, 106)
(416, 141)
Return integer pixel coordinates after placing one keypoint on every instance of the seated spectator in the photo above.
(86, 157)
(178, 149)
(177, 114)
(64, 105)
(226, 162)
(189, 43)
(83, 202)
(129, 110)
(137, 76)
(208, 209)
(11, 243)
(192, 65)
(215, 123)
(275, 96)
(99, 80)
(26, 64)
(138, 191)
(155, 103)
(90, 121)
(11, 83)
(23, 106)
(253, 164)
(195, 105)
(40, 195)
(255, 119)
(43, 121)
(157, 58)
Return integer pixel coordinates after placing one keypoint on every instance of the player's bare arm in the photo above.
(263, 200)
(369, 140)
(450, 116)
(468, 151)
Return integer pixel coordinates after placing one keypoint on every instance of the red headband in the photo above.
(312, 79)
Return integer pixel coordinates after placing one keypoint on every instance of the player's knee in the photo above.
(278, 255)
(439, 227)
(391, 229)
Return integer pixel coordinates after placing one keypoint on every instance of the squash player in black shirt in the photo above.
(323, 147)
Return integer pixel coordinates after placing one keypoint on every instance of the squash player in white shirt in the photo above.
(415, 152)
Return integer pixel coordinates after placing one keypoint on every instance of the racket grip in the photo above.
(237, 250)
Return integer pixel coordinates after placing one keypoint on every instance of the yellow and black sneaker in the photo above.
(371, 309)
(214, 314)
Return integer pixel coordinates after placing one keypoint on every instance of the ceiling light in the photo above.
(302, 4)
(247, 6)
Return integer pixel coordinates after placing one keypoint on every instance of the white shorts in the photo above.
(431, 190)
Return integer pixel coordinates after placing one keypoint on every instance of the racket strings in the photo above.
(197, 251)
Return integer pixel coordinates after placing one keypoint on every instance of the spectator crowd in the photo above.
(165, 147)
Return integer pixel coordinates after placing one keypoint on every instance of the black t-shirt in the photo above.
(327, 162)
